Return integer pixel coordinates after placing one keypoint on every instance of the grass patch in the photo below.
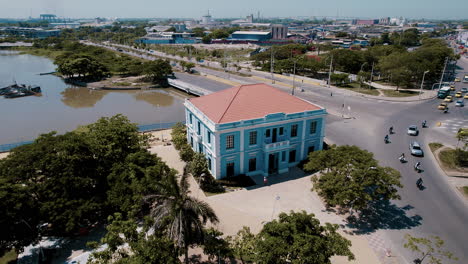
(355, 87)
(448, 159)
(237, 181)
(122, 84)
(400, 93)
(465, 190)
(51, 54)
(9, 257)
(435, 146)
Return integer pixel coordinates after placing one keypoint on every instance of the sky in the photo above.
(430, 9)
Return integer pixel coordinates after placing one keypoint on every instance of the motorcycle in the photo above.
(424, 125)
(419, 183)
(402, 159)
(417, 167)
(390, 130)
(386, 139)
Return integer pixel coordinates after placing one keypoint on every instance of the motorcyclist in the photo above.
(402, 157)
(446, 110)
(390, 130)
(419, 182)
(417, 166)
(424, 123)
(386, 138)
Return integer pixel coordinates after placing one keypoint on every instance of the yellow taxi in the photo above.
(457, 80)
(442, 106)
(458, 95)
(466, 96)
(448, 99)
(452, 87)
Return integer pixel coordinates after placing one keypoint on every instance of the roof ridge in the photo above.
(230, 103)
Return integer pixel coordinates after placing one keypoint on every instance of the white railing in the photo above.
(187, 87)
(277, 145)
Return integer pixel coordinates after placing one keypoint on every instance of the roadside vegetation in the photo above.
(454, 159)
(389, 58)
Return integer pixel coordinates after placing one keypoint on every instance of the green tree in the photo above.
(179, 135)
(124, 244)
(206, 39)
(215, 246)
(339, 78)
(430, 248)
(351, 177)
(243, 245)
(198, 165)
(181, 216)
(298, 238)
(157, 71)
(363, 77)
(199, 32)
(348, 61)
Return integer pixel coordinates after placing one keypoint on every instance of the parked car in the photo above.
(448, 99)
(458, 95)
(464, 90)
(442, 106)
(460, 103)
(413, 130)
(416, 149)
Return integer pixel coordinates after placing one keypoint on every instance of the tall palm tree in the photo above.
(181, 216)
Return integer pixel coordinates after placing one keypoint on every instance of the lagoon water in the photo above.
(63, 107)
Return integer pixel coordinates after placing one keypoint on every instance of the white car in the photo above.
(413, 130)
(460, 103)
(415, 149)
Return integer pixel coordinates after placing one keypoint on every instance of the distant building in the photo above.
(64, 25)
(253, 129)
(365, 22)
(31, 32)
(206, 19)
(250, 36)
(384, 21)
(48, 17)
(179, 27)
(168, 38)
(279, 31)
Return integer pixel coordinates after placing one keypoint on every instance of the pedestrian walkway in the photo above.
(453, 125)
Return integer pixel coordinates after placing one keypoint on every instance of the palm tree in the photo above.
(181, 216)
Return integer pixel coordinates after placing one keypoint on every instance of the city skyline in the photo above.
(417, 9)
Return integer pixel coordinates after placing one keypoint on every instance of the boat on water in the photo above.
(20, 90)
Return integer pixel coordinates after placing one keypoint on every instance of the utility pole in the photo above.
(329, 73)
(372, 73)
(272, 65)
(443, 72)
(422, 83)
(294, 77)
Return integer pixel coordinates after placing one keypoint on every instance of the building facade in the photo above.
(253, 130)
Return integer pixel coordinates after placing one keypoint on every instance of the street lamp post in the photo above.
(294, 77)
(422, 84)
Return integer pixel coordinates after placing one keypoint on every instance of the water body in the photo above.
(63, 107)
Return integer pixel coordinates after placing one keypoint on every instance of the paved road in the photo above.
(436, 210)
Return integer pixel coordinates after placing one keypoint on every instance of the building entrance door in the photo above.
(273, 163)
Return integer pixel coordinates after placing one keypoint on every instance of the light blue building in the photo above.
(253, 129)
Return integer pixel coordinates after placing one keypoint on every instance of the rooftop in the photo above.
(252, 32)
(247, 102)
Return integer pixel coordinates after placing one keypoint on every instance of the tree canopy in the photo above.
(351, 178)
(75, 180)
(299, 238)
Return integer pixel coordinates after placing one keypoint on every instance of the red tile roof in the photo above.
(246, 102)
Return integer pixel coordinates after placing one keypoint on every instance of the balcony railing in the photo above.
(277, 145)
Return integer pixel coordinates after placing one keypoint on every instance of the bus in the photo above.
(443, 92)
